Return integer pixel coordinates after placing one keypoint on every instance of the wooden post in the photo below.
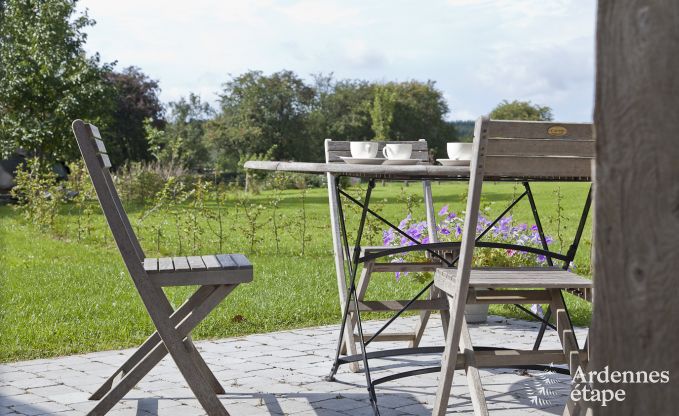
(636, 266)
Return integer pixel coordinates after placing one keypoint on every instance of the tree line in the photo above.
(47, 80)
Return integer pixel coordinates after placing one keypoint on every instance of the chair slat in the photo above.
(151, 265)
(211, 262)
(196, 263)
(334, 156)
(181, 263)
(100, 146)
(537, 167)
(105, 160)
(226, 261)
(345, 145)
(539, 130)
(95, 131)
(540, 147)
(165, 264)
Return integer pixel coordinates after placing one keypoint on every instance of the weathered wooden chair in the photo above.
(215, 276)
(436, 301)
(523, 151)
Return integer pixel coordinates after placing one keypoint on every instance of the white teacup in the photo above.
(397, 151)
(363, 150)
(460, 151)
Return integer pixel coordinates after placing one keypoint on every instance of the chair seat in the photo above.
(216, 269)
(516, 278)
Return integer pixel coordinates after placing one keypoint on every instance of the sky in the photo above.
(479, 52)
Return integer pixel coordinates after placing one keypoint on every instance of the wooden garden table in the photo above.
(352, 258)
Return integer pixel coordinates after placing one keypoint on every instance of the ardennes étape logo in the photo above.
(557, 131)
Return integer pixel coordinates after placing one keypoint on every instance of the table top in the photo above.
(404, 172)
(423, 171)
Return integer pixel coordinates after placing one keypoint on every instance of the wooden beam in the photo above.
(636, 210)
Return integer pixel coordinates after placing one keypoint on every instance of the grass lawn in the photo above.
(62, 296)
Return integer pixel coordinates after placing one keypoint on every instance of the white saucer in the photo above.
(401, 161)
(362, 161)
(453, 162)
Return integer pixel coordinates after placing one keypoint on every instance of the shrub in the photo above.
(38, 193)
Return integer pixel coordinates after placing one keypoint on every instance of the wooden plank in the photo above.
(94, 131)
(409, 172)
(636, 209)
(196, 263)
(180, 263)
(105, 160)
(165, 264)
(406, 267)
(497, 297)
(241, 261)
(538, 167)
(226, 261)
(540, 147)
(337, 156)
(211, 262)
(500, 358)
(333, 145)
(395, 305)
(540, 130)
(151, 265)
(100, 146)
(207, 277)
(513, 278)
(388, 336)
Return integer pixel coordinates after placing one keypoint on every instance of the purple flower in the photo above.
(405, 222)
(451, 216)
(443, 211)
(388, 237)
(444, 231)
(458, 231)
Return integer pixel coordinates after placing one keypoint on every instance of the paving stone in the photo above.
(284, 373)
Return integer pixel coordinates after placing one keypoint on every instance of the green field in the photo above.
(62, 296)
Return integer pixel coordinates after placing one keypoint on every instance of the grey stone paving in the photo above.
(282, 373)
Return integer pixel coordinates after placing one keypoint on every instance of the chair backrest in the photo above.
(333, 150)
(535, 149)
(98, 163)
(520, 150)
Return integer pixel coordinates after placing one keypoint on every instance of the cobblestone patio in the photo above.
(282, 373)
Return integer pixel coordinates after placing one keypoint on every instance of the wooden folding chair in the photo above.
(216, 277)
(333, 152)
(522, 151)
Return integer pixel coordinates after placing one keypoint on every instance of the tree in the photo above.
(46, 80)
(521, 110)
(382, 112)
(419, 113)
(135, 100)
(341, 109)
(258, 112)
(183, 141)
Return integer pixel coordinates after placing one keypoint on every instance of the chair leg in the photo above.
(197, 298)
(449, 359)
(424, 319)
(202, 366)
(157, 352)
(564, 328)
(173, 341)
(473, 377)
(361, 288)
